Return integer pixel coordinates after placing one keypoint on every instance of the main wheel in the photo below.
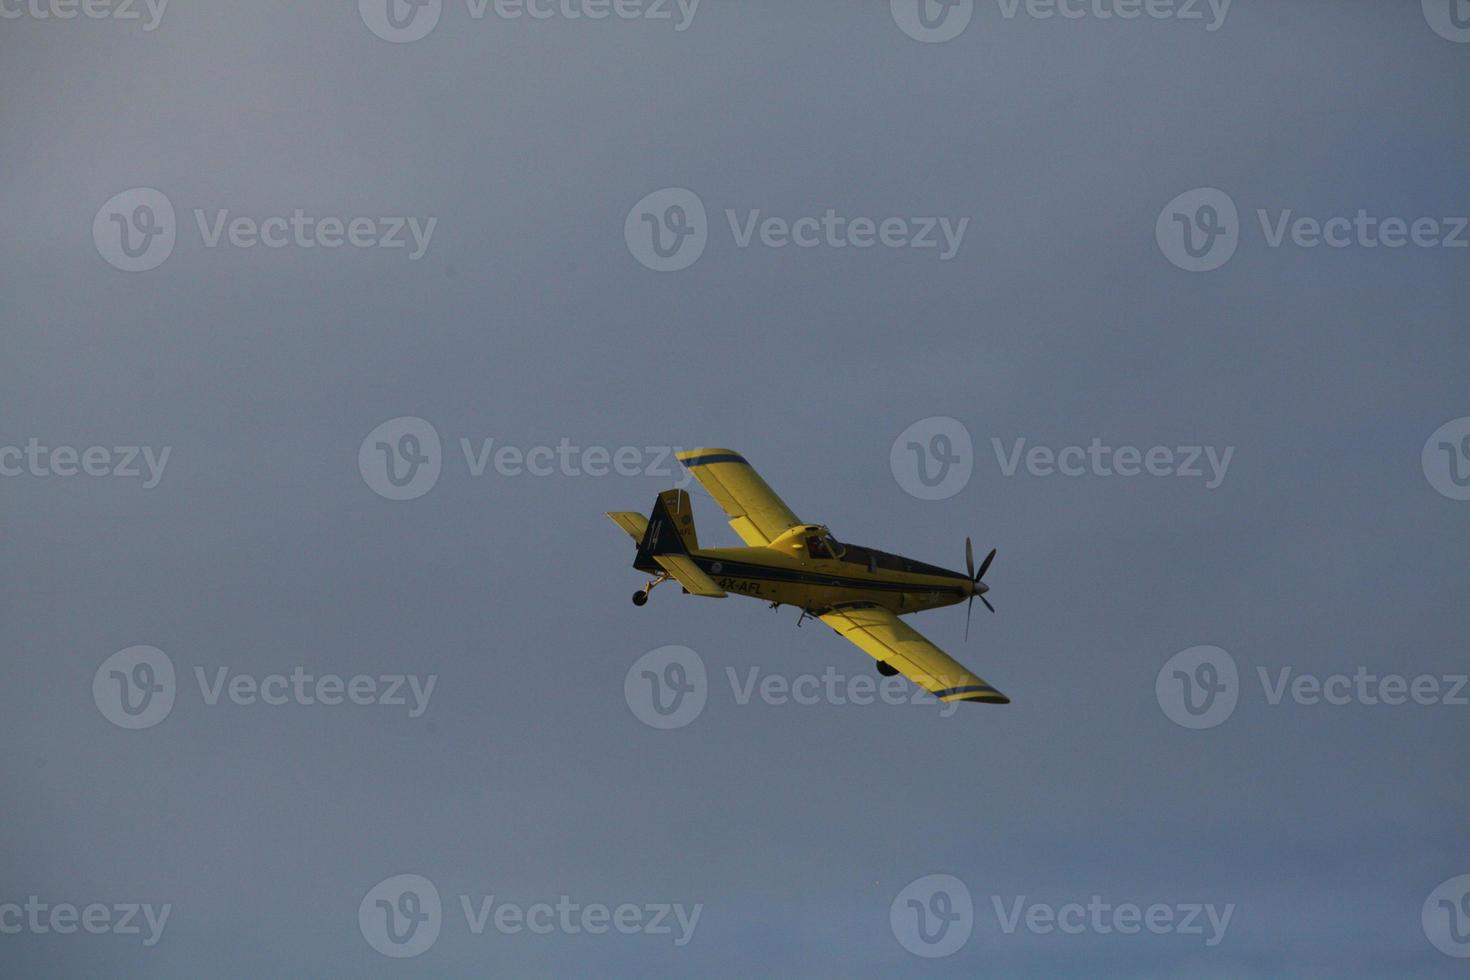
(886, 669)
(640, 597)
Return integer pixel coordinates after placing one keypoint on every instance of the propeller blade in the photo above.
(968, 607)
(985, 565)
(987, 604)
(969, 558)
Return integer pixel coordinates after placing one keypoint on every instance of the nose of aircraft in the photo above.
(981, 588)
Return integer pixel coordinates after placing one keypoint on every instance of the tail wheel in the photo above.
(640, 597)
(887, 669)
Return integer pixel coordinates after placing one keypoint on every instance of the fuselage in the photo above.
(806, 568)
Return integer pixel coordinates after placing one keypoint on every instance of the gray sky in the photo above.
(530, 318)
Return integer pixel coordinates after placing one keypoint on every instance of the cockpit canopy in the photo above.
(820, 543)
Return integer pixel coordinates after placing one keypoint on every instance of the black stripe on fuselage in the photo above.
(773, 573)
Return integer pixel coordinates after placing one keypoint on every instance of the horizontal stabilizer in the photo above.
(631, 521)
(689, 575)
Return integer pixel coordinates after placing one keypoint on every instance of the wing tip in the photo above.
(985, 694)
(996, 698)
(707, 455)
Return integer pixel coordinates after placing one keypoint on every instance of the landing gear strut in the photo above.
(641, 596)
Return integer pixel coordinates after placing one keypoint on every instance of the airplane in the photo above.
(859, 592)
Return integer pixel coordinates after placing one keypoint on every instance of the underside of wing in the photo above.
(883, 636)
(755, 512)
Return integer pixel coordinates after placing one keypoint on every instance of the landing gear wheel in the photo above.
(887, 669)
(640, 597)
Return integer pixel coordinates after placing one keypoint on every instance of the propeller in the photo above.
(975, 578)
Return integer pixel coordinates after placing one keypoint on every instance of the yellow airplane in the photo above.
(859, 592)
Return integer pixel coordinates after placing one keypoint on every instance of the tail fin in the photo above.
(670, 526)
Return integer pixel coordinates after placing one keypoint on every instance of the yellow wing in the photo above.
(755, 512)
(883, 636)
